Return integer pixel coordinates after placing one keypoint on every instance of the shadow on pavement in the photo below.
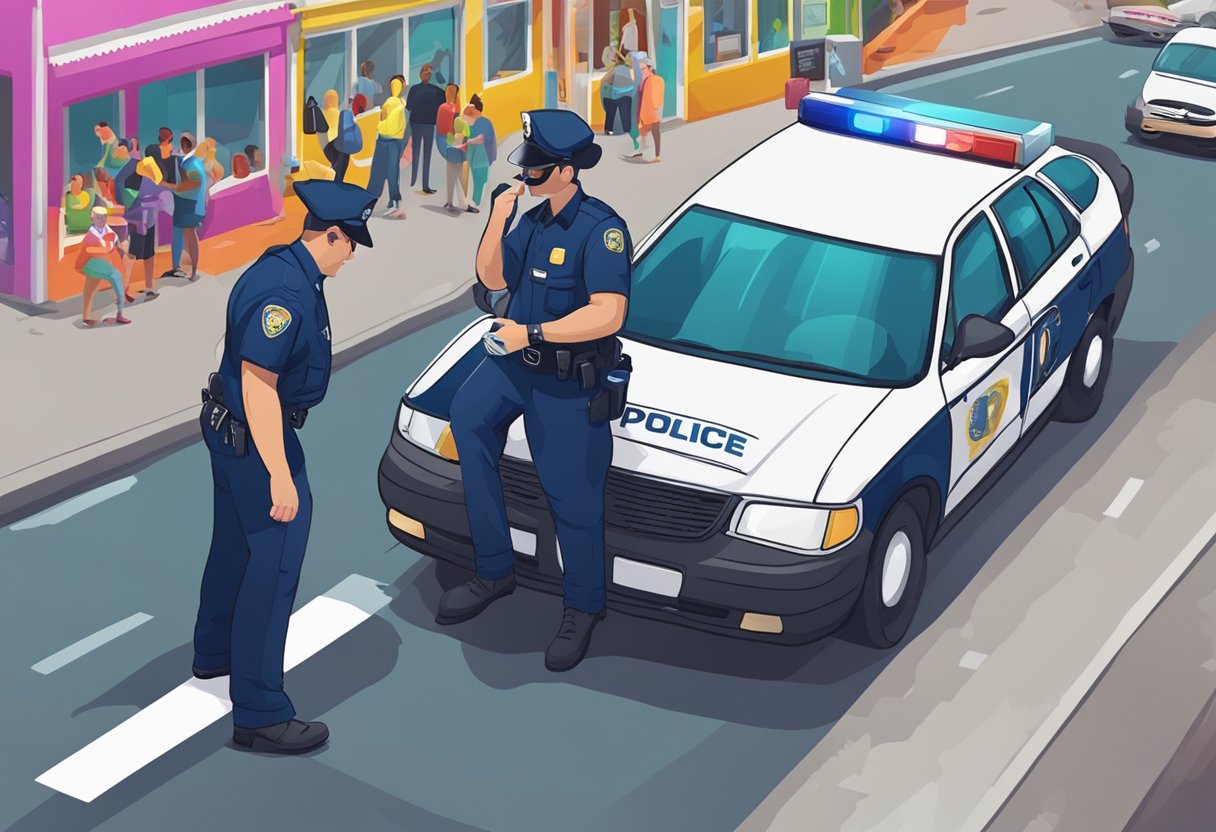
(758, 684)
(1173, 146)
(357, 661)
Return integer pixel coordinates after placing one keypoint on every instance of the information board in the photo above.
(807, 59)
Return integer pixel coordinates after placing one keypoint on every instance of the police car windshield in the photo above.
(757, 292)
(1189, 60)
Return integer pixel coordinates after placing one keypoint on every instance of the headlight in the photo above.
(427, 432)
(806, 529)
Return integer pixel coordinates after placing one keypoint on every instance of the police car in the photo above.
(837, 342)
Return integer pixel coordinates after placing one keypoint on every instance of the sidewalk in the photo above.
(86, 403)
(935, 29)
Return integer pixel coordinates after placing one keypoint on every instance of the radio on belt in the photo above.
(936, 127)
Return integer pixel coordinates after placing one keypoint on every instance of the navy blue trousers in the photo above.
(249, 584)
(571, 456)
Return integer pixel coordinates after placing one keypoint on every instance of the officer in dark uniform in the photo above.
(275, 367)
(567, 268)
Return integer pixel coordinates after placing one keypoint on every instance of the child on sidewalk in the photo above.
(95, 262)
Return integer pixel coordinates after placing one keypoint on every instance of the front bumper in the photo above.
(1138, 123)
(723, 577)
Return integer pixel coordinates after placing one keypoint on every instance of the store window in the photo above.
(508, 40)
(433, 41)
(325, 65)
(726, 33)
(234, 112)
(83, 148)
(6, 170)
(773, 18)
(815, 18)
(383, 44)
(171, 103)
(619, 25)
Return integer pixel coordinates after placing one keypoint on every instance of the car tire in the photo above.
(894, 580)
(1085, 382)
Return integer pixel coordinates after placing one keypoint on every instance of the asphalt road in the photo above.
(461, 728)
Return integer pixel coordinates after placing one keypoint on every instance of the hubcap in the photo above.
(896, 564)
(1093, 362)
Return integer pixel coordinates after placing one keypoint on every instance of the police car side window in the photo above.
(1026, 231)
(979, 281)
(1075, 178)
(1060, 224)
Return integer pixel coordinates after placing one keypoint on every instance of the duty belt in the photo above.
(214, 392)
(583, 362)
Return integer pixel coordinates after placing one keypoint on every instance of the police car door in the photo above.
(983, 395)
(1051, 261)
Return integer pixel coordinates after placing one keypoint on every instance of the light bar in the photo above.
(936, 127)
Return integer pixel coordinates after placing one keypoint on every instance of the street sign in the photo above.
(807, 59)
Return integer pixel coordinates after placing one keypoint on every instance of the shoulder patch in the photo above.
(614, 240)
(275, 320)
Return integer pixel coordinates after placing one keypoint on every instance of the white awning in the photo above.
(167, 27)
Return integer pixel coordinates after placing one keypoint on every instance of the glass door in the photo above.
(432, 40)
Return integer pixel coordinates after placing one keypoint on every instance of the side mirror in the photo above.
(490, 302)
(978, 337)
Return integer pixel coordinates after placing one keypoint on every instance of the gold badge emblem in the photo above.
(984, 417)
(275, 320)
(614, 240)
(557, 256)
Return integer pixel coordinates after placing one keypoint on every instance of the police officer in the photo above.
(275, 367)
(567, 268)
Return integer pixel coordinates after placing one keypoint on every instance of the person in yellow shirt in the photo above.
(390, 145)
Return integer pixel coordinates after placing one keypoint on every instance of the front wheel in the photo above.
(895, 579)
(1088, 370)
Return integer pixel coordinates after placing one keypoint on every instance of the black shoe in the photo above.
(429, 192)
(294, 737)
(460, 603)
(199, 673)
(572, 639)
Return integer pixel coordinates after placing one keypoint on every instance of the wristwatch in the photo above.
(535, 336)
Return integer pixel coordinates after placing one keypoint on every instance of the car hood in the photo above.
(691, 418)
(1159, 86)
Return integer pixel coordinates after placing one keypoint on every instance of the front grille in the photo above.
(633, 503)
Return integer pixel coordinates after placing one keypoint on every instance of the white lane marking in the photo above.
(88, 644)
(72, 507)
(196, 704)
(972, 660)
(1152, 245)
(1013, 775)
(1129, 73)
(1124, 498)
(996, 92)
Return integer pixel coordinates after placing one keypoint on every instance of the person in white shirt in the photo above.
(95, 262)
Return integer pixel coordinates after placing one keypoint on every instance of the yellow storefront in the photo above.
(493, 48)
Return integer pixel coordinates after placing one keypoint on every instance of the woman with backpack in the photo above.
(345, 138)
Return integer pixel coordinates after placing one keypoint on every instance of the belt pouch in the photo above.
(598, 409)
(586, 375)
(562, 358)
(616, 384)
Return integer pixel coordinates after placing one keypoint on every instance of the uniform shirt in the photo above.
(278, 320)
(552, 265)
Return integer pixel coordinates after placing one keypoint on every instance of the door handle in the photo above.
(1076, 260)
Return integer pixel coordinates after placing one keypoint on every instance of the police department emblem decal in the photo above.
(367, 212)
(275, 319)
(985, 416)
(614, 240)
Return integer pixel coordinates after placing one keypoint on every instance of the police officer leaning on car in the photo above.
(567, 268)
(276, 364)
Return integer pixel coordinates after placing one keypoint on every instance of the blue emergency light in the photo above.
(938, 127)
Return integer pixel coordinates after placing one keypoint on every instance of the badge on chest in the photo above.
(558, 256)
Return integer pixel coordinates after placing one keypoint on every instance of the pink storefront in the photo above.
(212, 69)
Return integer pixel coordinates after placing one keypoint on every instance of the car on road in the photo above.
(1179, 94)
(838, 342)
(1158, 22)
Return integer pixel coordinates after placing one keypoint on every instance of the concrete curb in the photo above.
(56, 479)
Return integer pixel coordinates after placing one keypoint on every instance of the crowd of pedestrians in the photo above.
(632, 93)
(117, 206)
(416, 123)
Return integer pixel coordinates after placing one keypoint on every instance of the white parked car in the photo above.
(1161, 23)
(1179, 95)
(838, 342)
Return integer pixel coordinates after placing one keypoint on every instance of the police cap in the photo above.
(555, 136)
(339, 203)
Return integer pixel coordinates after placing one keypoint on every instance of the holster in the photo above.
(215, 417)
(609, 403)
